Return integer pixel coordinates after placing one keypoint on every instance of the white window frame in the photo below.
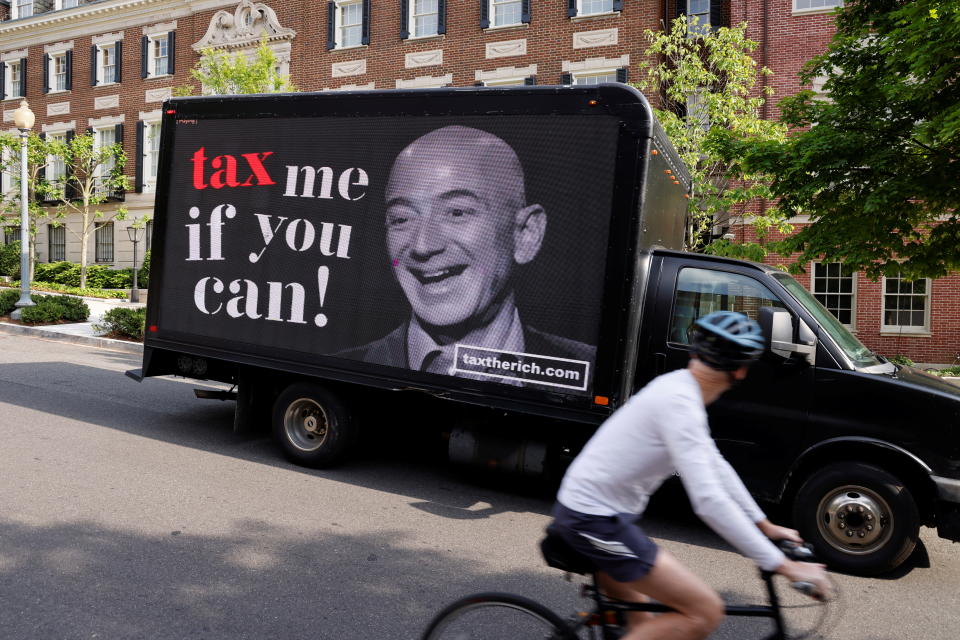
(412, 20)
(852, 325)
(702, 16)
(98, 143)
(153, 43)
(593, 73)
(52, 58)
(12, 89)
(826, 6)
(15, 9)
(582, 4)
(56, 166)
(10, 170)
(65, 4)
(906, 329)
(493, 13)
(151, 155)
(340, 26)
(103, 51)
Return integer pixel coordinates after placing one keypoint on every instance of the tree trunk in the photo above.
(84, 237)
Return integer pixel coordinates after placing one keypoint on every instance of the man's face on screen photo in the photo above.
(455, 210)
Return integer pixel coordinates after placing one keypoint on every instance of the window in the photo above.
(595, 78)
(148, 145)
(103, 138)
(506, 12)
(11, 234)
(106, 63)
(813, 5)
(56, 167)
(67, 4)
(906, 305)
(58, 71)
(9, 171)
(56, 243)
(349, 24)
(701, 291)
(22, 8)
(157, 55)
(425, 17)
(592, 7)
(13, 79)
(834, 286)
(103, 241)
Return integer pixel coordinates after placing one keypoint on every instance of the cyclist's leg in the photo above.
(621, 591)
(699, 610)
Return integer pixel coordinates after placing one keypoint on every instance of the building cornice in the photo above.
(89, 19)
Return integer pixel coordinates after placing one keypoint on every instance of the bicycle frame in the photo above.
(604, 607)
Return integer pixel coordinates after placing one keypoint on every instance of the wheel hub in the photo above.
(854, 519)
(305, 424)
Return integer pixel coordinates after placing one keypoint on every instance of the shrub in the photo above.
(901, 360)
(10, 259)
(76, 291)
(75, 309)
(8, 301)
(50, 309)
(126, 321)
(143, 276)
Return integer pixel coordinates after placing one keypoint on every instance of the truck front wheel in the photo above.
(312, 426)
(860, 518)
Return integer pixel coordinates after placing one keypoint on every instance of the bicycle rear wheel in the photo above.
(497, 616)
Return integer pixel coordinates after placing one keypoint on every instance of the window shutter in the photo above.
(681, 8)
(441, 16)
(618, 5)
(484, 14)
(23, 77)
(144, 56)
(331, 25)
(171, 51)
(623, 74)
(404, 19)
(716, 14)
(530, 80)
(566, 78)
(3, 80)
(138, 177)
(571, 8)
(93, 65)
(118, 57)
(41, 175)
(46, 73)
(365, 27)
(70, 69)
(69, 191)
(118, 138)
(525, 12)
(478, 84)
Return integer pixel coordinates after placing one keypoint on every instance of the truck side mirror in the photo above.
(777, 326)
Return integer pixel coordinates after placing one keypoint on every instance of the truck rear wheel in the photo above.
(312, 426)
(860, 518)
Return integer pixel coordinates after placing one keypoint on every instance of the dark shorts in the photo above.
(615, 544)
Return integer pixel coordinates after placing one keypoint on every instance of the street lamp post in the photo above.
(134, 233)
(23, 118)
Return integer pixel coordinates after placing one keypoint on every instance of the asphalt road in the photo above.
(133, 511)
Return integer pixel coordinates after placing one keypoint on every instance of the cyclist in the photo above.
(661, 430)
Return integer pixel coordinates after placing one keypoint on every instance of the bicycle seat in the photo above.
(561, 555)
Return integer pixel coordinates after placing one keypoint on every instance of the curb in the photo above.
(90, 341)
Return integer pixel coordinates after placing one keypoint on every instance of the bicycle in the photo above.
(476, 616)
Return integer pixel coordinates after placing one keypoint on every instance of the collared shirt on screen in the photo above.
(504, 333)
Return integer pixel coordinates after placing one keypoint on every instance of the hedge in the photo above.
(10, 259)
(126, 321)
(98, 276)
(46, 309)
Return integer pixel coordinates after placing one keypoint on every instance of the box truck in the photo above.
(507, 262)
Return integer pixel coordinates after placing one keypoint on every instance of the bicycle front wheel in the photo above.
(497, 616)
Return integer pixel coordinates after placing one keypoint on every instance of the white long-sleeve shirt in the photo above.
(661, 430)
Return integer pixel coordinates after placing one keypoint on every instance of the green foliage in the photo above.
(901, 360)
(10, 259)
(86, 292)
(52, 309)
(8, 301)
(126, 321)
(952, 372)
(742, 251)
(706, 85)
(222, 73)
(877, 166)
(98, 276)
(143, 275)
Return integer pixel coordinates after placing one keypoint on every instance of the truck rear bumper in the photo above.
(948, 508)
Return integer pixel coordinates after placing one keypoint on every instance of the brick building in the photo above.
(107, 66)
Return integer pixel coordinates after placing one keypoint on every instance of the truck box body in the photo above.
(506, 262)
(272, 236)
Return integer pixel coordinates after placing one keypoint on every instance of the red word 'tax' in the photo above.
(225, 174)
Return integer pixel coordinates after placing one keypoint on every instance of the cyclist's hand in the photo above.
(776, 532)
(811, 573)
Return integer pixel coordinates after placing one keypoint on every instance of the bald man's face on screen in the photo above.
(457, 223)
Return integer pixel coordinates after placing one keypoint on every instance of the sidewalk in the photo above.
(80, 332)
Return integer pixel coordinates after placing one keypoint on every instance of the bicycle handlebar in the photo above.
(801, 553)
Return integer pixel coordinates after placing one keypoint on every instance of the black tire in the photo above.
(497, 616)
(859, 518)
(312, 426)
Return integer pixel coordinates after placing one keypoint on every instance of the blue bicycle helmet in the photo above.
(727, 340)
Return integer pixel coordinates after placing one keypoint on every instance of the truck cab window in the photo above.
(703, 291)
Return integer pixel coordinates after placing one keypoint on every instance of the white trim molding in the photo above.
(105, 121)
(595, 64)
(106, 102)
(157, 95)
(419, 59)
(426, 82)
(505, 73)
(245, 26)
(58, 109)
(349, 68)
(506, 48)
(59, 127)
(597, 38)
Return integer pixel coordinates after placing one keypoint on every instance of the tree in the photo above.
(222, 73)
(93, 176)
(876, 166)
(705, 80)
